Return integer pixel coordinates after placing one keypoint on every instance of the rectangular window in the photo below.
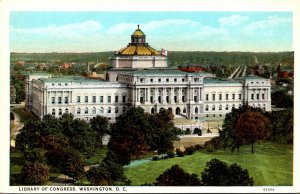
(233, 96)
(124, 99)
(141, 80)
(78, 98)
(252, 96)
(175, 80)
(183, 98)
(240, 96)
(53, 100)
(195, 99)
(220, 96)
(263, 96)
(101, 99)
(86, 99)
(175, 98)
(159, 80)
(59, 100)
(167, 99)
(167, 80)
(109, 99)
(151, 99)
(94, 99)
(206, 97)
(257, 96)
(214, 97)
(141, 99)
(66, 100)
(226, 96)
(159, 99)
(116, 99)
(151, 80)
(182, 80)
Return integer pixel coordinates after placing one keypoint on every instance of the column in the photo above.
(180, 95)
(164, 94)
(155, 95)
(148, 94)
(171, 97)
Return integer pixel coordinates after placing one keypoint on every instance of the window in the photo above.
(116, 110)
(67, 111)
(195, 99)
(53, 112)
(151, 99)
(183, 98)
(196, 79)
(94, 99)
(59, 84)
(175, 98)
(240, 96)
(257, 96)
(59, 100)
(101, 99)
(226, 96)
(59, 112)
(196, 110)
(167, 80)
(53, 100)
(94, 110)
(151, 80)
(226, 108)
(141, 80)
(220, 107)
(214, 97)
(206, 97)
(124, 99)
(182, 80)
(66, 84)
(101, 110)
(66, 100)
(78, 111)
(213, 107)
(116, 99)
(86, 99)
(52, 84)
(109, 110)
(220, 96)
(167, 99)
(78, 98)
(109, 99)
(159, 80)
(86, 111)
(159, 99)
(206, 107)
(263, 96)
(184, 110)
(252, 96)
(233, 96)
(175, 80)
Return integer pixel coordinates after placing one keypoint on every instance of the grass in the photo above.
(23, 114)
(270, 165)
(98, 157)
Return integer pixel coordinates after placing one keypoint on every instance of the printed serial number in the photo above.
(269, 189)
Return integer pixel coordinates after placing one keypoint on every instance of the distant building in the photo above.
(284, 72)
(191, 68)
(65, 66)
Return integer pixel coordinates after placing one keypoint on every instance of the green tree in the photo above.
(100, 125)
(35, 155)
(72, 164)
(34, 174)
(218, 173)
(176, 176)
(251, 127)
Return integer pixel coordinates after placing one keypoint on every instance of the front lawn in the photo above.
(271, 164)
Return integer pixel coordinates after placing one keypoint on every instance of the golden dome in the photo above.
(138, 32)
(138, 50)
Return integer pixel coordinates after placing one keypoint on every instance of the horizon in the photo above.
(85, 32)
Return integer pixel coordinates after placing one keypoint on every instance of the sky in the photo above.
(173, 31)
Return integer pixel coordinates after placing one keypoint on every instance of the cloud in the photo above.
(75, 29)
(270, 22)
(150, 26)
(232, 20)
(210, 31)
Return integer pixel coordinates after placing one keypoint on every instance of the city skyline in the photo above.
(174, 31)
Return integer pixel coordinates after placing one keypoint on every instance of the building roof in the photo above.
(144, 49)
(138, 32)
(161, 72)
(68, 79)
(209, 80)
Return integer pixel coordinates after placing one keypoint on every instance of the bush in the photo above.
(188, 131)
(155, 158)
(35, 155)
(189, 150)
(179, 153)
(198, 147)
(170, 154)
(215, 143)
(209, 147)
(34, 174)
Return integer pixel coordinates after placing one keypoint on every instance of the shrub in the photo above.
(34, 174)
(35, 155)
(155, 158)
(188, 131)
(170, 154)
(215, 143)
(209, 147)
(198, 147)
(189, 150)
(179, 153)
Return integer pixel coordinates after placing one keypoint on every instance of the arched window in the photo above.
(196, 110)
(53, 112)
(152, 110)
(59, 111)
(184, 110)
(78, 111)
(94, 110)
(109, 110)
(116, 110)
(67, 110)
(213, 107)
(101, 110)
(206, 107)
(86, 111)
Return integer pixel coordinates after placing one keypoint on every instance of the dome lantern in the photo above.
(138, 36)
